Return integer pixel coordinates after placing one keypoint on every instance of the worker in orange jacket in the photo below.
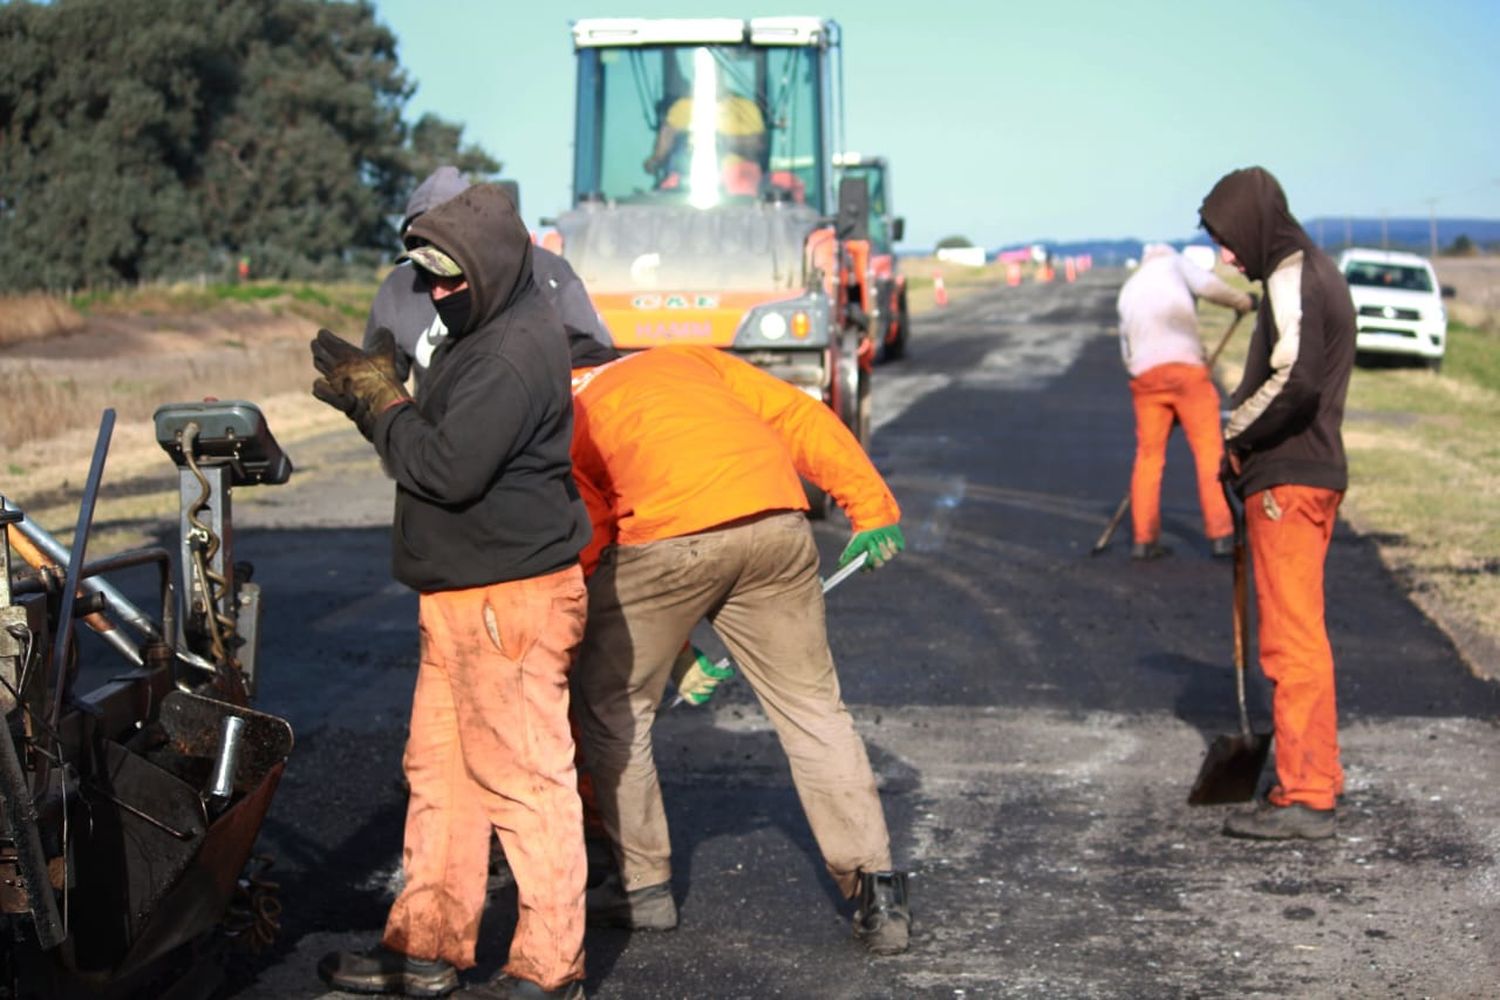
(688, 461)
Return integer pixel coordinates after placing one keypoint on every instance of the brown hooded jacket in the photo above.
(1289, 408)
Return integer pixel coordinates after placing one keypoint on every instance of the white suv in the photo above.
(1398, 304)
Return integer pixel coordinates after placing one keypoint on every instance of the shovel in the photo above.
(1102, 542)
(1231, 770)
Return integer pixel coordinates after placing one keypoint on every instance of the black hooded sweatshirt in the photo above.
(1289, 408)
(485, 490)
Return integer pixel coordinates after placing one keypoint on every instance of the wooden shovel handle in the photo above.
(39, 560)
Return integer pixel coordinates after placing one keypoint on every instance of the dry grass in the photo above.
(141, 348)
(42, 400)
(35, 317)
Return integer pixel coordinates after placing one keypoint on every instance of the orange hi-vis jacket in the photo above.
(679, 439)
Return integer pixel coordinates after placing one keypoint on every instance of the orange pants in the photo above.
(490, 749)
(1289, 528)
(1184, 393)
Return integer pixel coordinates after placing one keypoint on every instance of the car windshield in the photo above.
(699, 124)
(1406, 277)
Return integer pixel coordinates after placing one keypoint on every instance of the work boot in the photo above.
(1146, 551)
(650, 908)
(1266, 821)
(1222, 547)
(381, 970)
(883, 920)
(504, 987)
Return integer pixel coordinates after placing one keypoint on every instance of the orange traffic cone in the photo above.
(1013, 274)
(1070, 270)
(939, 290)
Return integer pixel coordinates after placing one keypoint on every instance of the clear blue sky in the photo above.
(1008, 121)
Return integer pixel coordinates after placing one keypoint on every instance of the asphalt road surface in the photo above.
(1035, 717)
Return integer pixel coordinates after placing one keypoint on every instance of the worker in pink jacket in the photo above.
(1169, 381)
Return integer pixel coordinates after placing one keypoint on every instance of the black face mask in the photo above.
(454, 311)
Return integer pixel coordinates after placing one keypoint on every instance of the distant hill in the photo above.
(1402, 234)
(1333, 234)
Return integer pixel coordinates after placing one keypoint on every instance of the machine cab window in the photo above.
(699, 121)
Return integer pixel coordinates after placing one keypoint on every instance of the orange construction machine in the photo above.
(706, 205)
(888, 321)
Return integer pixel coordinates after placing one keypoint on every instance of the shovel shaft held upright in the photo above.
(1241, 606)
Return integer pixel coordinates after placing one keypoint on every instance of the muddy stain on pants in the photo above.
(757, 583)
(1185, 393)
(491, 749)
(1290, 528)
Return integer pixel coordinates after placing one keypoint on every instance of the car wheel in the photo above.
(896, 348)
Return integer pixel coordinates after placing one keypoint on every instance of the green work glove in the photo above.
(363, 384)
(879, 544)
(697, 677)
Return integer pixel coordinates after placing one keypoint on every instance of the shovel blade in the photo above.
(1231, 770)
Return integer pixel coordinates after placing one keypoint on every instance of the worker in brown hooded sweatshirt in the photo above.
(1284, 456)
(488, 527)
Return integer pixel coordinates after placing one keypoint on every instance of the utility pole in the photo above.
(1385, 232)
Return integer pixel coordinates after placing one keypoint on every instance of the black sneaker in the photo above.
(1264, 821)
(1146, 551)
(1222, 548)
(650, 908)
(504, 987)
(381, 970)
(883, 920)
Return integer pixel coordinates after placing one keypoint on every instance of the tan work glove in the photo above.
(363, 384)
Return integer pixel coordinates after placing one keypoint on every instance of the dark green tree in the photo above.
(98, 119)
(434, 142)
(953, 241)
(144, 139)
(1461, 246)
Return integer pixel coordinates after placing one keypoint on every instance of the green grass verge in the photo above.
(1473, 355)
(317, 302)
(1424, 467)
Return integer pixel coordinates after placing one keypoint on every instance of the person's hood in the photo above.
(439, 186)
(1247, 212)
(480, 230)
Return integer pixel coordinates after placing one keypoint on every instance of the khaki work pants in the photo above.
(1184, 393)
(490, 750)
(1289, 529)
(757, 582)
